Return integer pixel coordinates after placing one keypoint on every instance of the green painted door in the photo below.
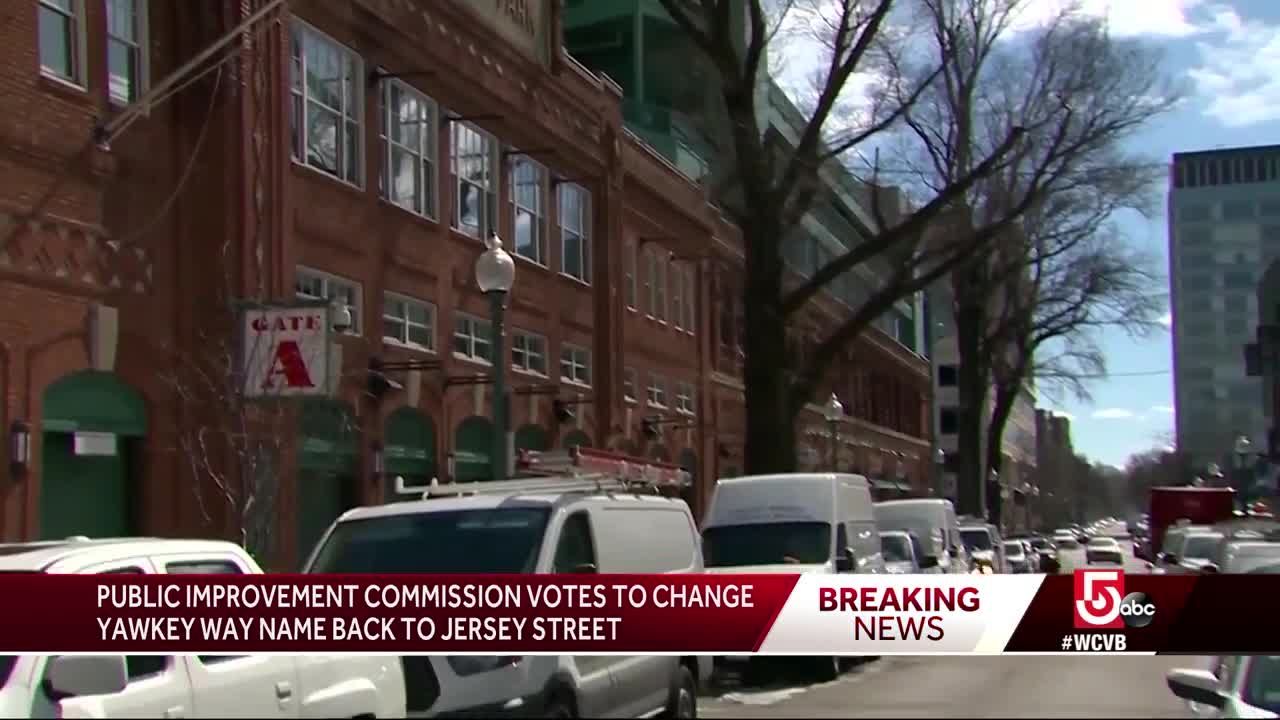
(472, 450)
(82, 495)
(88, 494)
(326, 469)
(409, 452)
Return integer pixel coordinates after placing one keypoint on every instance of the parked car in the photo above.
(1047, 550)
(819, 523)
(1244, 686)
(1016, 557)
(985, 546)
(904, 554)
(107, 686)
(1194, 552)
(1103, 549)
(934, 521)
(1066, 540)
(1169, 557)
(543, 525)
(1236, 555)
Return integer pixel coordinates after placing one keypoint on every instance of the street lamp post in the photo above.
(834, 411)
(940, 470)
(495, 275)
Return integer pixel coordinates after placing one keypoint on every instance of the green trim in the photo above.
(532, 437)
(473, 449)
(328, 437)
(93, 401)
(577, 438)
(410, 447)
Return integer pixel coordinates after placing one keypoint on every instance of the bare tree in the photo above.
(767, 184)
(1080, 93)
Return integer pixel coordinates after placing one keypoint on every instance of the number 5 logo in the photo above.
(1098, 594)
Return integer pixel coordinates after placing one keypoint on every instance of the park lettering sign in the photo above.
(284, 350)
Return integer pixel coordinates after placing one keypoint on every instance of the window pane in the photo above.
(420, 335)
(418, 313)
(526, 235)
(393, 328)
(469, 207)
(56, 43)
(322, 138)
(122, 71)
(404, 179)
(572, 254)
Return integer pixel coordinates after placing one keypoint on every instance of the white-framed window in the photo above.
(311, 284)
(327, 87)
(690, 300)
(408, 322)
(409, 120)
(62, 39)
(575, 365)
(650, 276)
(657, 391)
(629, 268)
(660, 288)
(126, 49)
(676, 272)
(684, 398)
(575, 232)
(528, 208)
(472, 338)
(529, 353)
(473, 156)
(629, 381)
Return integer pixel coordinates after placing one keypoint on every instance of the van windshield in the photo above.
(497, 540)
(896, 548)
(976, 539)
(799, 543)
(6, 667)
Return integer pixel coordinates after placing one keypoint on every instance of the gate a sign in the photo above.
(285, 350)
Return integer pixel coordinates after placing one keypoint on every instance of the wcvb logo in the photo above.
(1101, 603)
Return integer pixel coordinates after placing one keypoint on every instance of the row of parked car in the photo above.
(1233, 547)
(563, 523)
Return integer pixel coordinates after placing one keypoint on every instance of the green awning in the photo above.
(532, 437)
(410, 447)
(577, 438)
(472, 450)
(93, 401)
(329, 436)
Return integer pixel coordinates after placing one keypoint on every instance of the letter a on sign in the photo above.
(285, 351)
(288, 362)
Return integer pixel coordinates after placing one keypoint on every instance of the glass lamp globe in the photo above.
(495, 270)
(834, 409)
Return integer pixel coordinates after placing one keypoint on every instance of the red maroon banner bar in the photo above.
(399, 613)
(1167, 614)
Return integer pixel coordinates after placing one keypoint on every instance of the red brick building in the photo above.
(356, 151)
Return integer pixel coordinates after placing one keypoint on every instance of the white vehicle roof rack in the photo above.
(574, 470)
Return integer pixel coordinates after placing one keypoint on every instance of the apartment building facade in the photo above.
(1224, 231)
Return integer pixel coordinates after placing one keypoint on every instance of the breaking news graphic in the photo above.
(1102, 611)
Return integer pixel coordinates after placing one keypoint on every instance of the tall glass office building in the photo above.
(1224, 230)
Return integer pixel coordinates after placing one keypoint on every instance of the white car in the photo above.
(1066, 540)
(1244, 686)
(108, 686)
(1103, 549)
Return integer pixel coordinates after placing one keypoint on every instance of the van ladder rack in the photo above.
(574, 470)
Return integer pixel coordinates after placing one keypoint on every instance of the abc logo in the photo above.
(1137, 610)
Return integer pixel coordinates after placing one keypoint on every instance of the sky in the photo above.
(1226, 53)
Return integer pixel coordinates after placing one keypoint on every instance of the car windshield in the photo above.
(496, 540)
(802, 543)
(1102, 542)
(1200, 547)
(1041, 544)
(976, 539)
(895, 548)
(1013, 549)
(1262, 685)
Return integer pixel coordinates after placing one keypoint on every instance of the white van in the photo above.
(934, 521)
(798, 522)
(549, 525)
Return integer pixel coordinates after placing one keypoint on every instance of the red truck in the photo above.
(1199, 505)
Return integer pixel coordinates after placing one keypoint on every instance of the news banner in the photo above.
(1089, 611)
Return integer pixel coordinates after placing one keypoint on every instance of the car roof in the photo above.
(38, 556)
(493, 502)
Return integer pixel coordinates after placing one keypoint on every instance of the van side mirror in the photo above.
(845, 562)
(68, 676)
(1210, 569)
(1199, 686)
(928, 561)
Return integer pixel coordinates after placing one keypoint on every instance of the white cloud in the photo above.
(1125, 18)
(1114, 414)
(1162, 409)
(1063, 414)
(1166, 319)
(1235, 77)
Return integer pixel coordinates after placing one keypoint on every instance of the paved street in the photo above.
(942, 687)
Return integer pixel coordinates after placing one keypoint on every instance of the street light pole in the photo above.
(1242, 448)
(495, 275)
(834, 412)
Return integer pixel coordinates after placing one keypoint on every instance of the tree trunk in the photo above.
(771, 433)
(1001, 411)
(973, 381)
